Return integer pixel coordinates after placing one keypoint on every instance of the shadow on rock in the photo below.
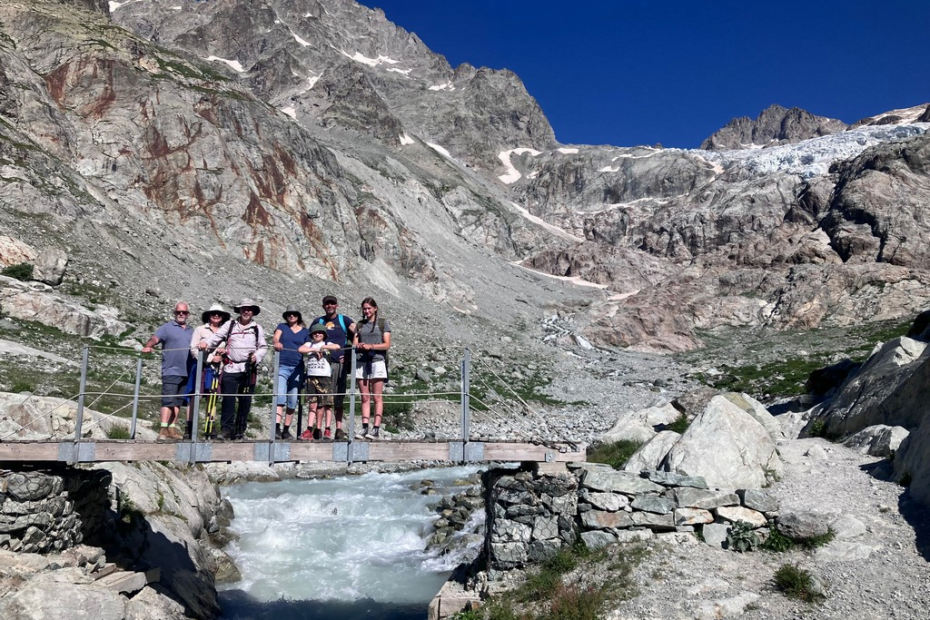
(918, 517)
(238, 605)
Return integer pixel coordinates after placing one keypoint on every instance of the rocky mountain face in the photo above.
(281, 149)
(775, 125)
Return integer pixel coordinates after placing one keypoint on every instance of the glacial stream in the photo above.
(350, 547)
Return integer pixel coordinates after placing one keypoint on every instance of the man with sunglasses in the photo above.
(339, 329)
(175, 339)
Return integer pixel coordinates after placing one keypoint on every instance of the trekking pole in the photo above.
(195, 412)
(210, 417)
(274, 395)
(135, 400)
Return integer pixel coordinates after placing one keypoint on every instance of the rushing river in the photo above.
(346, 548)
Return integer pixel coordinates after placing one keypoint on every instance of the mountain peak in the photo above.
(774, 125)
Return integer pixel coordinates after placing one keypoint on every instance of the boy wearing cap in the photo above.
(319, 380)
(340, 330)
(288, 337)
(245, 349)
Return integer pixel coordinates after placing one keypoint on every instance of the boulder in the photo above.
(726, 446)
(597, 539)
(802, 524)
(618, 482)
(50, 265)
(878, 440)
(889, 389)
(651, 454)
(757, 410)
(641, 425)
(31, 301)
(739, 513)
(912, 461)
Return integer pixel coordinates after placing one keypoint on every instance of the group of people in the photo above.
(311, 359)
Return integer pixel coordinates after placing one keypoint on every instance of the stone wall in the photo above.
(532, 512)
(42, 512)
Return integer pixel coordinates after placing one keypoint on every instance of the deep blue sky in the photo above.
(629, 72)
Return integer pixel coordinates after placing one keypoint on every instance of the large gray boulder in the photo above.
(728, 447)
(641, 425)
(889, 389)
(651, 454)
(912, 462)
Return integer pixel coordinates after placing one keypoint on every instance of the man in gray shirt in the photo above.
(175, 339)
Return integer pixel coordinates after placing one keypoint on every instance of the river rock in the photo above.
(727, 447)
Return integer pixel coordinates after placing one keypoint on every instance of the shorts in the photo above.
(371, 370)
(320, 391)
(173, 390)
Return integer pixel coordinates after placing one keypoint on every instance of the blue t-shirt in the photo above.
(335, 333)
(292, 341)
(175, 342)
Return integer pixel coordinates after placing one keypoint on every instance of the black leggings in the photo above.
(236, 385)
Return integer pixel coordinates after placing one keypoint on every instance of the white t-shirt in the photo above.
(318, 367)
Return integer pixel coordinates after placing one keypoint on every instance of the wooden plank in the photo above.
(408, 451)
(135, 451)
(527, 452)
(232, 451)
(28, 451)
(311, 451)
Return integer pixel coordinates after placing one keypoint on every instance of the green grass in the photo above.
(614, 454)
(680, 425)
(796, 583)
(118, 431)
(20, 271)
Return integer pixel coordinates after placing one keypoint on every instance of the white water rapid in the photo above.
(349, 547)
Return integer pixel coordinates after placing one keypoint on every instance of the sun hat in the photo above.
(318, 327)
(330, 299)
(248, 303)
(293, 310)
(215, 308)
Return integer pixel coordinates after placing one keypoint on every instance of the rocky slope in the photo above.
(284, 148)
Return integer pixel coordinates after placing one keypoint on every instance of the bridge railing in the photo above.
(197, 397)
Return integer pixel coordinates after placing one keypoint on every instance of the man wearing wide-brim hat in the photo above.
(245, 349)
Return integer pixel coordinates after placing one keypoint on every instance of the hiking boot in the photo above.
(373, 433)
(341, 435)
(174, 433)
(307, 435)
(277, 431)
(317, 434)
(327, 436)
(286, 433)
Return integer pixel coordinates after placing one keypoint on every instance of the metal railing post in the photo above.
(195, 410)
(274, 403)
(352, 367)
(466, 388)
(135, 400)
(80, 404)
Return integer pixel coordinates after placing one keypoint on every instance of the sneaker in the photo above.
(286, 434)
(363, 433)
(277, 431)
(341, 435)
(373, 433)
(317, 434)
(327, 436)
(307, 435)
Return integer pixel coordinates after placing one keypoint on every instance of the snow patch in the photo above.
(566, 151)
(406, 140)
(440, 150)
(116, 5)
(513, 175)
(907, 115)
(404, 72)
(371, 62)
(235, 64)
(576, 280)
(444, 86)
(609, 169)
(290, 111)
(299, 40)
(558, 232)
(312, 80)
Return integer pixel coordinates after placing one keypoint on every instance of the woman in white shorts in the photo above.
(372, 340)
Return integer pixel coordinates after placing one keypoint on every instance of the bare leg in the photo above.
(377, 388)
(363, 386)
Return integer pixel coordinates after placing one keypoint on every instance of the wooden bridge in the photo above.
(286, 451)
(271, 450)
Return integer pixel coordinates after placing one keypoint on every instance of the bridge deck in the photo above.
(281, 452)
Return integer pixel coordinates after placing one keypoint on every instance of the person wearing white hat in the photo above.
(245, 349)
(212, 319)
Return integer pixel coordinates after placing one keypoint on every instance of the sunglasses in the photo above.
(330, 303)
(216, 314)
(184, 312)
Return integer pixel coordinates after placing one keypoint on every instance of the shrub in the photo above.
(797, 583)
(680, 425)
(742, 537)
(118, 431)
(614, 454)
(21, 386)
(22, 271)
